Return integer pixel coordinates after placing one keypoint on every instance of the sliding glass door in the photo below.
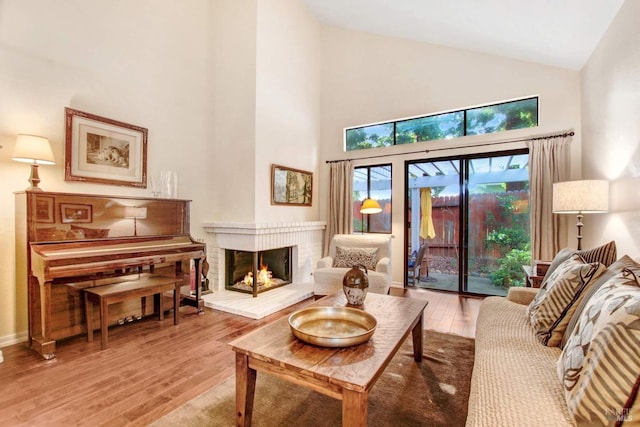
(470, 216)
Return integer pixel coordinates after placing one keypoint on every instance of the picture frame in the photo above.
(75, 213)
(104, 151)
(44, 209)
(289, 186)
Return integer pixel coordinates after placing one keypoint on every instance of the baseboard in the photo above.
(13, 339)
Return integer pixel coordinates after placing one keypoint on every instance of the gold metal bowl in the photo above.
(332, 326)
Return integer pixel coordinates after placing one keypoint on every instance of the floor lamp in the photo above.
(369, 206)
(580, 197)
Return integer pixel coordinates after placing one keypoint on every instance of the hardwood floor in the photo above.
(151, 367)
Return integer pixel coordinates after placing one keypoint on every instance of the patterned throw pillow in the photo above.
(349, 257)
(551, 309)
(625, 262)
(600, 364)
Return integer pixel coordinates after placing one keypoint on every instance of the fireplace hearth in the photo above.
(256, 272)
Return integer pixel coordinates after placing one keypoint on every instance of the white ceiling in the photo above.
(561, 33)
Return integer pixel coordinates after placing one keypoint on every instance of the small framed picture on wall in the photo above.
(291, 186)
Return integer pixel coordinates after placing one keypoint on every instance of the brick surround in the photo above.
(306, 238)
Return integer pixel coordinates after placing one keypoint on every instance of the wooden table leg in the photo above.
(417, 339)
(354, 408)
(245, 390)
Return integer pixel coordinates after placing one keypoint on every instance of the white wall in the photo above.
(267, 79)
(143, 62)
(231, 170)
(368, 78)
(219, 108)
(287, 103)
(611, 131)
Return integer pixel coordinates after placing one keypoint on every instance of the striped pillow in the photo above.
(600, 364)
(605, 254)
(616, 268)
(551, 309)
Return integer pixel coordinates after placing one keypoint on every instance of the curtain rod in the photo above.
(506, 141)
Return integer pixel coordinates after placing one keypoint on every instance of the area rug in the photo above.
(434, 392)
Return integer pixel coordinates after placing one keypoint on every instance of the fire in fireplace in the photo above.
(255, 272)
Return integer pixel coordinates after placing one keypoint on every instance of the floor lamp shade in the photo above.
(35, 150)
(370, 206)
(580, 197)
(586, 196)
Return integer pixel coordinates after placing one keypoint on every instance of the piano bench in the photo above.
(117, 292)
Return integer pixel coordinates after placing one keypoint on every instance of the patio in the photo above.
(449, 282)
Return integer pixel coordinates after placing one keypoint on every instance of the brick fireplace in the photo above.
(303, 238)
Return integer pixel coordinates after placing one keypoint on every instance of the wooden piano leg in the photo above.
(42, 342)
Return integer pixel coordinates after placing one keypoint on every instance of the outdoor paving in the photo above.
(449, 282)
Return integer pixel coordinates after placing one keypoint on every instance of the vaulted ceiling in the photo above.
(560, 33)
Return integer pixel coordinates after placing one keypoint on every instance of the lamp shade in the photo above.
(584, 196)
(370, 206)
(135, 212)
(33, 149)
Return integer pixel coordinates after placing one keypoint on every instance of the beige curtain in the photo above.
(340, 215)
(548, 163)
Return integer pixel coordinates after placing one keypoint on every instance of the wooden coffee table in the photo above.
(347, 374)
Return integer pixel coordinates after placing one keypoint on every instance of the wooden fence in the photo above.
(446, 222)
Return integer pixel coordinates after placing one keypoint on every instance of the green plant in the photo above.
(509, 272)
(510, 238)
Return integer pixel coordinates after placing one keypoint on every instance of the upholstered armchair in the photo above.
(346, 250)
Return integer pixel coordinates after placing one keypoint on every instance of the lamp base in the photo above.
(579, 225)
(34, 179)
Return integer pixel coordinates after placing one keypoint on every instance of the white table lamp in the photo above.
(35, 150)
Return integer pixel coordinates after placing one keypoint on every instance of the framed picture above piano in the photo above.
(104, 151)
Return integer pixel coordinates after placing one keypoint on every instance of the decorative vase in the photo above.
(355, 284)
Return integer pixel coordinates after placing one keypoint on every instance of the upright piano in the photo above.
(67, 242)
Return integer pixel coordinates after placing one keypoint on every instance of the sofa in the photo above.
(347, 250)
(517, 380)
